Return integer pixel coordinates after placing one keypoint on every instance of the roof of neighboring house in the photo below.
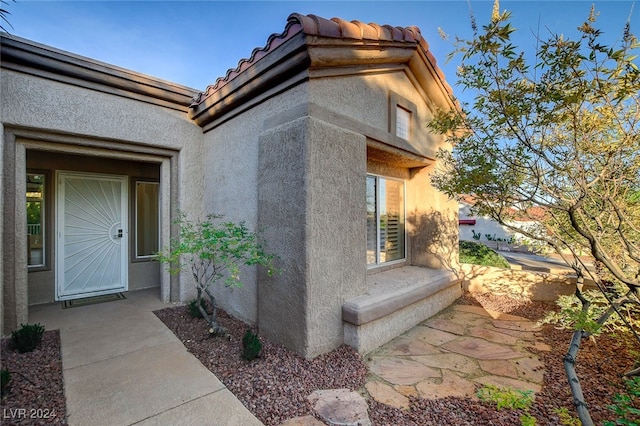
(530, 214)
(355, 32)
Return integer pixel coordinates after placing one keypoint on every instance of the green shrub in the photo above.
(479, 254)
(252, 346)
(27, 337)
(192, 307)
(625, 405)
(5, 379)
(566, 419)
(513, 399)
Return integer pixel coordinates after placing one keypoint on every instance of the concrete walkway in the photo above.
(122, 366)
(452, 353)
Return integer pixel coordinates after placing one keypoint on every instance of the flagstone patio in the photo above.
(455, 352)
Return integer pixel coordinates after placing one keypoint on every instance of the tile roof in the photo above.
(332, 28)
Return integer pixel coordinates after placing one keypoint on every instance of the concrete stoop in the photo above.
(396, 301)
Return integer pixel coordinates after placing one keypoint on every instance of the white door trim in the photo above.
(110, 234)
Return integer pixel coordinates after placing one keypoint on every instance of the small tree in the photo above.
(213, 251)
(4, 20)
(555, 139)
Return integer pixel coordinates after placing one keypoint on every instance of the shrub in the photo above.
(192, 307)
(512, 399)
(5, 379)
(625, 406)
(251, 346)
(479, 254)
(27, 337)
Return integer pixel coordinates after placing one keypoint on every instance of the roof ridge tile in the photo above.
(333, 28)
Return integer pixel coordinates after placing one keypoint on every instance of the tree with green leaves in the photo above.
(213, 251)
(554, 138)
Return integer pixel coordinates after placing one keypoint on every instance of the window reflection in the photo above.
(385, 220)
(147, 219)
(35, 219)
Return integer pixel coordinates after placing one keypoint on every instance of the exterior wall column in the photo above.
(14, 247)
(312, 213)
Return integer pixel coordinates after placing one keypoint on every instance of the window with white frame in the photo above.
(403, 123)
(147, 223)
(385, 220)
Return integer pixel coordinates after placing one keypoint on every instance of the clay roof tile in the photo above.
(334, 28)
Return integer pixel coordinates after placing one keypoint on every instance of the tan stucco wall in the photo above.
(365, 98)
(312, 205)
(230, 172)
(41, 114)
(539, 286)
(432, 219)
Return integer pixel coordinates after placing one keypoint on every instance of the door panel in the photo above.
(92, 235)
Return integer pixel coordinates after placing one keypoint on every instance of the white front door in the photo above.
(92, 232)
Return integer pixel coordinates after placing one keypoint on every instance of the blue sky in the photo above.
(195, 42)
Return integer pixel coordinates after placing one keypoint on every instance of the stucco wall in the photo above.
(365, 98)
(432, 219)
(230, 170)
(65, 118)
(312, 206)
(539, 286)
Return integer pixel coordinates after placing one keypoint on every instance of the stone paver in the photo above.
(451, 385)
(446, 325)
(515, 325)
(481, 349)
(449, 361)
(340, 407)
(387, 395)
(499, 367)
(454, 353)
(530, 369)
(432, 336)
(408, 346)
(402, 371)
(492, 336)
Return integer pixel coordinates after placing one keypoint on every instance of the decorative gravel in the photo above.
(36, 396)
(275, 386)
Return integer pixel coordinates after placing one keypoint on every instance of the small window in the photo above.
(403, 123)
(35, 219)
(385, 220)
(402, 117)
(147, 219)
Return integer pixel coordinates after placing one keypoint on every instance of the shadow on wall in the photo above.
(536, 286)
(434, 244)
(434, 239)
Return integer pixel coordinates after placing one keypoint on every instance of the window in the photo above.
(35, 219)
(385, 220)
(147, 219)
(402, 117)
(403, 123)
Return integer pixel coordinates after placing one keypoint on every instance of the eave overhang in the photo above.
(28, 57)
(312, 46)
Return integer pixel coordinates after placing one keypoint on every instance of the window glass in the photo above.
(35, 219)
(403, 120)
(147, 219)
(385, 220)
(372, 221)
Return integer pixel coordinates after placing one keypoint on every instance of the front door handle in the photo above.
(119, 234)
